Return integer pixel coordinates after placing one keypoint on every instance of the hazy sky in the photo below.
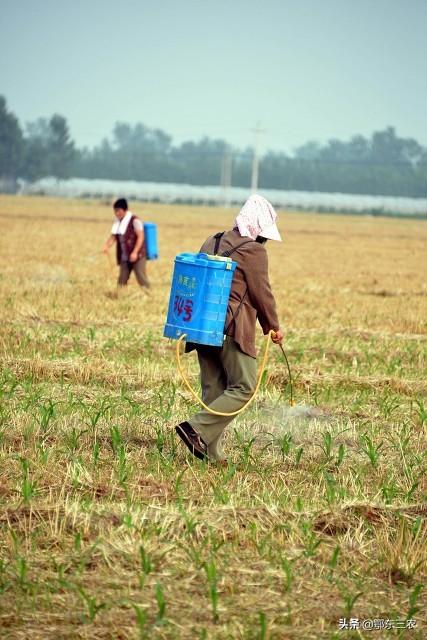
(306, 69)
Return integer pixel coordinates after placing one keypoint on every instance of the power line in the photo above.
(255, 160)
(226, 168)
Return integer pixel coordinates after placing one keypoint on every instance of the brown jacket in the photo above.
(251, 273)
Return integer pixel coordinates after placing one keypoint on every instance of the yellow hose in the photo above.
(200, 401)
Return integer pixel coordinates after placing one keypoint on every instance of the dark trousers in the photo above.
(138, 267)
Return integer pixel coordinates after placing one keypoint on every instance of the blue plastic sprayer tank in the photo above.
(150, 236)
(199, 298)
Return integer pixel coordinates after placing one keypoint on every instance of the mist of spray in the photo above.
(274, 421)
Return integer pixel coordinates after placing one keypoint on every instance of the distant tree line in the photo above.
(384, 164)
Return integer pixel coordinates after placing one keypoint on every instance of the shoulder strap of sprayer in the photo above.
(227, 254)
(217, 237)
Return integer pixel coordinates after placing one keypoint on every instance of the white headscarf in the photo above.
(257, 217)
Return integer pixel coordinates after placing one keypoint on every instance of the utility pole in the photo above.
(255, 160)
(226, 167)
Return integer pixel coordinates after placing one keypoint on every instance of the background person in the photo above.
(128, 234)
(228, 373)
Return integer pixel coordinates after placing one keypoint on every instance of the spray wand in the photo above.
(291, 384)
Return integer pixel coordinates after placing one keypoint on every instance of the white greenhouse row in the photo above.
(215, 195)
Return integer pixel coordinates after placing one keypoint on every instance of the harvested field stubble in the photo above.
(108, 530)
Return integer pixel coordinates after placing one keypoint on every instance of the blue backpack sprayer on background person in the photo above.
(150, 238)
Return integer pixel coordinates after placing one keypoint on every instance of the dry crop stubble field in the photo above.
(108, 529)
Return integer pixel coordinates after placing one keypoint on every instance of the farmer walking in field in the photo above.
(228, 373)
(127, 233)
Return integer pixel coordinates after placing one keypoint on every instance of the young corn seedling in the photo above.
(92, 606)
(8, 384)
(287, 567)
(328, 441)
(116, 438)
(215, 543)
(93, 417)
(413, 599)
(122, 470)
(4, 584)
(389, 491)
(263, 626)
(421, 412)
(161, 438)
(298, 455)
(194, 552)
(372, 451)
(311, 540)
(78, 542)
(149, 343)
(28, 488)
(96, 449)
(128, 522)
(389, 406)
(21, 572)
(28, 434)
(73, 439)
(330, 487)
(91, 333)
(412, 489)
(327, 445)
(166, 400)
(43, 452)
(285, 445)
(299, 504)
(171, 446)
(220, 492)
(46, 413)
(60, 569)
(246, 455)
(190, 522)
(340, 455)
(86, 557)
(350, 600)
(228, 472)
(135, 408)
(32, 396)
(146, 566)
(141, 621)
(333, 562)
(211, 575)
(161, 605)
(178, 486)
(263, 545)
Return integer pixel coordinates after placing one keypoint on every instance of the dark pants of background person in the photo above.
(228, 378)
(138, 267)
